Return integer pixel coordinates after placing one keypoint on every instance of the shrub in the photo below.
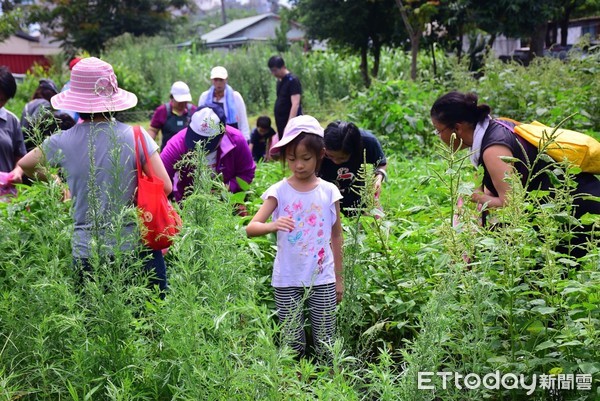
(398, 113)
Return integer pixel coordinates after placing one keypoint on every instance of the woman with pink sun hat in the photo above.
(98, 160)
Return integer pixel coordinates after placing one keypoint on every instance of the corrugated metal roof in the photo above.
(233, 27)
(21, 63)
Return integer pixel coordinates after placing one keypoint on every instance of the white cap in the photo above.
(206, 123)
(205, 128)
(181, 92)
(218, 72)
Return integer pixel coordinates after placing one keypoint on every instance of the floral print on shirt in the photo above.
(307, 238)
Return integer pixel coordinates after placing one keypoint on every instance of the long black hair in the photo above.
(345, 136)
(456, 107)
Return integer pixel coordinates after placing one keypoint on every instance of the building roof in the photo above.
(235, 26)
(259, 28)
(26, 36)
(23, 43)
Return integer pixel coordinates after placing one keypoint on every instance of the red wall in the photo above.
(20, 63)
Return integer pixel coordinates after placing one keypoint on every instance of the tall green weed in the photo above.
(412, 303)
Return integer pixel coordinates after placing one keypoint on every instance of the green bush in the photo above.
(548, 90)
(398, 113)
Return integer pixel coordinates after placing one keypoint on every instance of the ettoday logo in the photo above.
(508, 381)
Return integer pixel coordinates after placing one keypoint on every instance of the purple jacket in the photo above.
(234, 159)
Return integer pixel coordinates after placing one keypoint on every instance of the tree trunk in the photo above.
(364, 66)
(460, 43)
(376, 50)
(552, 34)
(490, 42)
(414, 52)
(538, 39)
(414, 35)
(564, 27)
(274, 6)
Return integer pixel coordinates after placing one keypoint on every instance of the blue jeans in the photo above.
(154, 267)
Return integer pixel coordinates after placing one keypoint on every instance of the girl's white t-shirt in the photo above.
(304, 256)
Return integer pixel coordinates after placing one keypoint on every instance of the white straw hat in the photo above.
(94, 89)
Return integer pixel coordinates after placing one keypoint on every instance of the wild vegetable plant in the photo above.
(513, 262)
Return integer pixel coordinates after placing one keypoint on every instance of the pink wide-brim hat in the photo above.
(94, 89)
(295, 127)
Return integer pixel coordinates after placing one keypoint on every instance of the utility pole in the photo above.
(223, 12)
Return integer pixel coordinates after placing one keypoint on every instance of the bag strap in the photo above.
(499, 121)
(189, 114)
(138, 137)
(168, 107)
(522, 140)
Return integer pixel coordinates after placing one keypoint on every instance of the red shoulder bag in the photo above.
(160, 222)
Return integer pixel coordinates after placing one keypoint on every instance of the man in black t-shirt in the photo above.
(289, 94)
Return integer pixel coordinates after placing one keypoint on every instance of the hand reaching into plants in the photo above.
(377, 182)
(16, 176)
(483, 196)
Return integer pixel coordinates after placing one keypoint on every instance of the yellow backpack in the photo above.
(579, 149)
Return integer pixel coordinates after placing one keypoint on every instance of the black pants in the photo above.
(154, 266)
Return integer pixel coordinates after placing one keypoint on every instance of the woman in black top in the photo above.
(346, 148)
(490, 141)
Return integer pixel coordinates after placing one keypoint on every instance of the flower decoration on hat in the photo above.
(210, 127)
(106, 86)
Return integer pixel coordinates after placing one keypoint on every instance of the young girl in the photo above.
(306, 218)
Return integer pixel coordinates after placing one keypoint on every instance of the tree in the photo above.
(11, 18)
(565, 10)
(361, 26)
(10, 23)
(415, 14)
(515, 18)
(89, 24)
(280, 41)
(223, 14)
(451, 25)
(274, 6)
